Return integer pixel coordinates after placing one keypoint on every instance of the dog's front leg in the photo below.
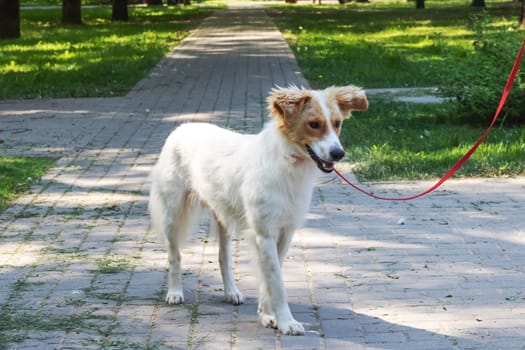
(272, 294)
(231, 292)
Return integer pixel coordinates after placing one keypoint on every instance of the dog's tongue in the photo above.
(326, 167)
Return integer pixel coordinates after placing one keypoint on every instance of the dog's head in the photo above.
(312, 119)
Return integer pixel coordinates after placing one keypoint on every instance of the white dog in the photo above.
(259, 182)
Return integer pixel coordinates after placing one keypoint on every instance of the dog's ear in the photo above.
(287, 103)
(349, 98)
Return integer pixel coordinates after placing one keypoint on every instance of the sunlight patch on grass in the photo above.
(15, 67)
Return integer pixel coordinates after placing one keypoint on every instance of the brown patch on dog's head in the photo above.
(311, 125)
(305, 116)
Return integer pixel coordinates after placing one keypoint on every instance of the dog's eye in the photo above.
(337, 124)
(314, 125)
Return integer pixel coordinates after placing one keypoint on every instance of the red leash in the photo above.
(467, 155)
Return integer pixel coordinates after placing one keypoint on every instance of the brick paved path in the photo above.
(80, 269)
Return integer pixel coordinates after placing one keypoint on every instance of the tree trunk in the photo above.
(522, 14)
(71, 12)
(478, 3)
(420, 4)
(178, 2)
(120, 10)
(154, 2)
(9, 19)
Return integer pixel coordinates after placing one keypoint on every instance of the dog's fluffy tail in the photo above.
(174, 211)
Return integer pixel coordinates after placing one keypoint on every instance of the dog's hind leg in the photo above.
(231, 292)
(173, 215)
(175, 293)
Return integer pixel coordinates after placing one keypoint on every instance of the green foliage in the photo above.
(99, 58)
(477, 81)
(17, 174)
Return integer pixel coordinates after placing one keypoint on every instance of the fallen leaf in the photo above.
(513, 297)
(392, 276)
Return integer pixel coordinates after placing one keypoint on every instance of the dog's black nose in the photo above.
(337, 154)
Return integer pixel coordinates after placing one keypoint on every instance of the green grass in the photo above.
(17, 174)
(395, 45)
(98, 58)
(396, 140)
(109, 265)
(383, 44)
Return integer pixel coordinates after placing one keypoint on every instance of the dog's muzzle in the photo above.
(323, 165)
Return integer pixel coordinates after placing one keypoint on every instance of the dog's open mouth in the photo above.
(323, 165)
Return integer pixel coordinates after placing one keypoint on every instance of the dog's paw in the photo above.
(268, 321)
(234, 296)
(174, 297)
(291, 327)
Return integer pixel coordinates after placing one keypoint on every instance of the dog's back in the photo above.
(224, 170)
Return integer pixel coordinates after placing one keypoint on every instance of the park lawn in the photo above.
(98, 58)
(397, 140)
(378, 45)
(17, 174)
